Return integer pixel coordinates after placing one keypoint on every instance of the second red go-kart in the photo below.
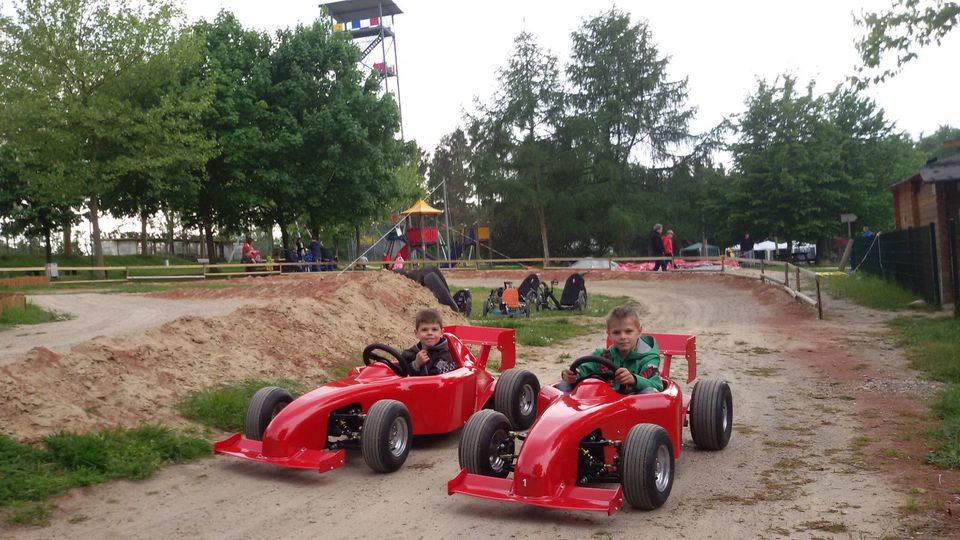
(378, 408)
(595, 435)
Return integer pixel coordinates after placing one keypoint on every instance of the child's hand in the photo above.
(568, 376)
(623, 376)
(421, 359)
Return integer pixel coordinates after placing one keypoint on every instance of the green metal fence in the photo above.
(908, 257)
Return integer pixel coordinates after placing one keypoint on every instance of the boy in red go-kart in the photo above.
(637, 357)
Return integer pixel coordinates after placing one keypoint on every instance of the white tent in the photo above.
(768, 249)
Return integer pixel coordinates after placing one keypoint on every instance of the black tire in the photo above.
(486, 308)
(526, 310)
(464, 301)
(486, 431)
(515, 396)
(532, 300)
(646, 466)
(581, 301)
(432, 281)
(263, 407)
(386, 436)
(711, 414)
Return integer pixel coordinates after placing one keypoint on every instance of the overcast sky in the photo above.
(449, 51)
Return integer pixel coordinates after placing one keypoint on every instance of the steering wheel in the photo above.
(400, 367)
(603, 376)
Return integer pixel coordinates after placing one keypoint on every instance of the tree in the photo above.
(931, 146)
(801, 160)
(69, 69)
(451, 166)
(907, 26)
(512, 135)
(632, 112)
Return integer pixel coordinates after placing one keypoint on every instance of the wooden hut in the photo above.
(932, 195)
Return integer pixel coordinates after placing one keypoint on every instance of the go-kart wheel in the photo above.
(515, 396)
(486, 308)
(581, 301)
(646, 466)
(400, 367)
(486, 447)
(386, 436)
(711, 414)
(263, 407)
(526, 310)
(532, 301)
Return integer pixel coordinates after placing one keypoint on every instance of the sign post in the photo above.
(848, 219)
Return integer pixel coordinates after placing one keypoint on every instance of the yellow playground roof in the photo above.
(421, 208)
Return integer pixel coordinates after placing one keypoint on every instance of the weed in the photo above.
(79, 518)
(30, 513)
(29, 314)
(763, 371)
(891, 453)
(784, 444)
(824, 525)
(912, 506)
(223, 407)
(869, 291)
(421, 466)
(761, 350)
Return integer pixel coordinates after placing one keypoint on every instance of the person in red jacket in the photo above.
(668, 248)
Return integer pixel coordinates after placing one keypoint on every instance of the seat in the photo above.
(510, 298)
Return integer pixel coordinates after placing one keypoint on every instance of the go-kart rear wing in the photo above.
(671, 345)
(504, 339)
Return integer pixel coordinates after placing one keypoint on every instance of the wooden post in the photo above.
(786, 274)
(819, 300)
(126, 270)
(761, 270)
(798, 277)
(723, 259)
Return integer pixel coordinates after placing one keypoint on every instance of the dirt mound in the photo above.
(315, 327)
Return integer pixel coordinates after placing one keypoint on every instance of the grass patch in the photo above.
(933, 346)
(869, 291)
(29, 314)
(224, 407)
(30, 475)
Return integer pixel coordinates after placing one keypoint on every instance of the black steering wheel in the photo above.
(603, 376)
(400, 367)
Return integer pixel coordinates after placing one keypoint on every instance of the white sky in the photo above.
(449, 51)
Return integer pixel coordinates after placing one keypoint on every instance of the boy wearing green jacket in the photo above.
(637, 358)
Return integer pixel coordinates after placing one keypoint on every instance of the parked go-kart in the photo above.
(594, 435)
(506, 301)
(377, 408)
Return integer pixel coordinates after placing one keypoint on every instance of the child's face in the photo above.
(429, 334)
(624, 334)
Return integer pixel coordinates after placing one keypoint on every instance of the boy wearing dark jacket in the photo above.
(637, 358)
(430, 355)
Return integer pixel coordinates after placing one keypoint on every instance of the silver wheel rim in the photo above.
(726, 416)
(397, 441)
(526, 400)
(661, 468)
(496, 462)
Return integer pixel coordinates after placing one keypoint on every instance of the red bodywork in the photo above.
(297, 436)
(545, 472)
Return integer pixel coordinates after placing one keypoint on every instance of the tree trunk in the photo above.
(143, 233)
(542, 219)
(67, 242)
(356, 235)
(284, 235)
(207, 238)
(46, 239)
(97, 244)
(169, 218)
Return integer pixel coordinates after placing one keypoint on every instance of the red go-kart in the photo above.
(595, 435)
(378, 407)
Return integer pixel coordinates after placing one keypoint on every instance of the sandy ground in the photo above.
(818, 451)
(95, 315)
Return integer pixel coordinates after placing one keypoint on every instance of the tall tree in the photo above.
(634, 114)
(450, 166)
(512, 134)
(907, 26)
(931, 146)
(78, 61)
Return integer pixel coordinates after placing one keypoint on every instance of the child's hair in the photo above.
(669, 232)
(623, 313)
(428, 316)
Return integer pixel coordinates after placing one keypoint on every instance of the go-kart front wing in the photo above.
(568, 498)
(304, 458)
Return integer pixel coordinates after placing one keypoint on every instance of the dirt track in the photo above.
(803, 391)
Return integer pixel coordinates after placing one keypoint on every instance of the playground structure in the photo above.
(365, 21)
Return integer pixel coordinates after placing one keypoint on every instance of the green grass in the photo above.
(30, 475)
(933, 346)
(223, 407)
(124, 287)
(18, 261)
(546, 327)
(29, 314)
(869, 291)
